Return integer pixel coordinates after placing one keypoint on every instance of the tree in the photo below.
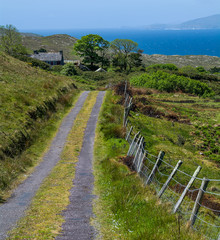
(134, 59)
(11, 41)
(92, 48)
(122, 48)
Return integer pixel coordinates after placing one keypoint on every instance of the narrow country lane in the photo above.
(79, 212)
(14, 208)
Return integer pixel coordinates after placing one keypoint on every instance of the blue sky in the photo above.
(70, 14)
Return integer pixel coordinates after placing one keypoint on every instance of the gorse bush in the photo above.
(171, 83)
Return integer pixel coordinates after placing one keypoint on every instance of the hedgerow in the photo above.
(171, 83)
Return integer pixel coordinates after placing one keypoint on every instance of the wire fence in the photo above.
(186, 193)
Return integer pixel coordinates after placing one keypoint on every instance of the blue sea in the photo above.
(167, 42)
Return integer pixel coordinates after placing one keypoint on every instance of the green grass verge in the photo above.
(15, 170)
(125, 208)
(43, 219)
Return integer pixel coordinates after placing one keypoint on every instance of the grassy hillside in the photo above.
(55, 42)
(28, 98)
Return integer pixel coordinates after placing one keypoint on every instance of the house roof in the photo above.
(48, 56)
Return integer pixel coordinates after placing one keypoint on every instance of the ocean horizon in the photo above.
(165, 42)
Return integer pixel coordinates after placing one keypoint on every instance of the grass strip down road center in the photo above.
(43, 219)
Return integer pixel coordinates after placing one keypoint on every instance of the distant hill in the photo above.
(31, 35)
(181, 61)
(55, 42)
(210, 22)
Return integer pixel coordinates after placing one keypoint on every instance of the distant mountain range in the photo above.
(211, 22)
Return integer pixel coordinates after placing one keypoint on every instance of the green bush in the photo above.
(188, 70)
(171, 82)
(201, 69)
(37, 63)
(214, 70)
(156, 67)
(68, 70)
(57, 68)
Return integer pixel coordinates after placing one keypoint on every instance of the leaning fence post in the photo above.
(141, 162)
(157, 164)
(126, 123)
(191, 181)
(126, 99)
(135, 145)
(125, 87)
(125, 116)
(138, 149)
(132, 143)
(198, 201)
(162, 190)
(129, 133)
(130, 102)
(127, 110)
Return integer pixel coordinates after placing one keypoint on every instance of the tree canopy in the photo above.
(126, 53)
(11, 41)
(124, 46)
(91, 47)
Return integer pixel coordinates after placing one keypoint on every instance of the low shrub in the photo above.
(68, 69)
(171, 83)
(156, 67)
(57, 68)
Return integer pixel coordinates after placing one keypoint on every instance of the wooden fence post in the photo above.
(130, 102)
(126, 111)
(125, 116)
(162, 190)
(126, 83)
(126, 99)
(157, 164)
(135, 145)
(129, 133)
(198, 201)
(132, 143)
(126, 122)
(138, 150)
(141, 162)
(191, 181)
